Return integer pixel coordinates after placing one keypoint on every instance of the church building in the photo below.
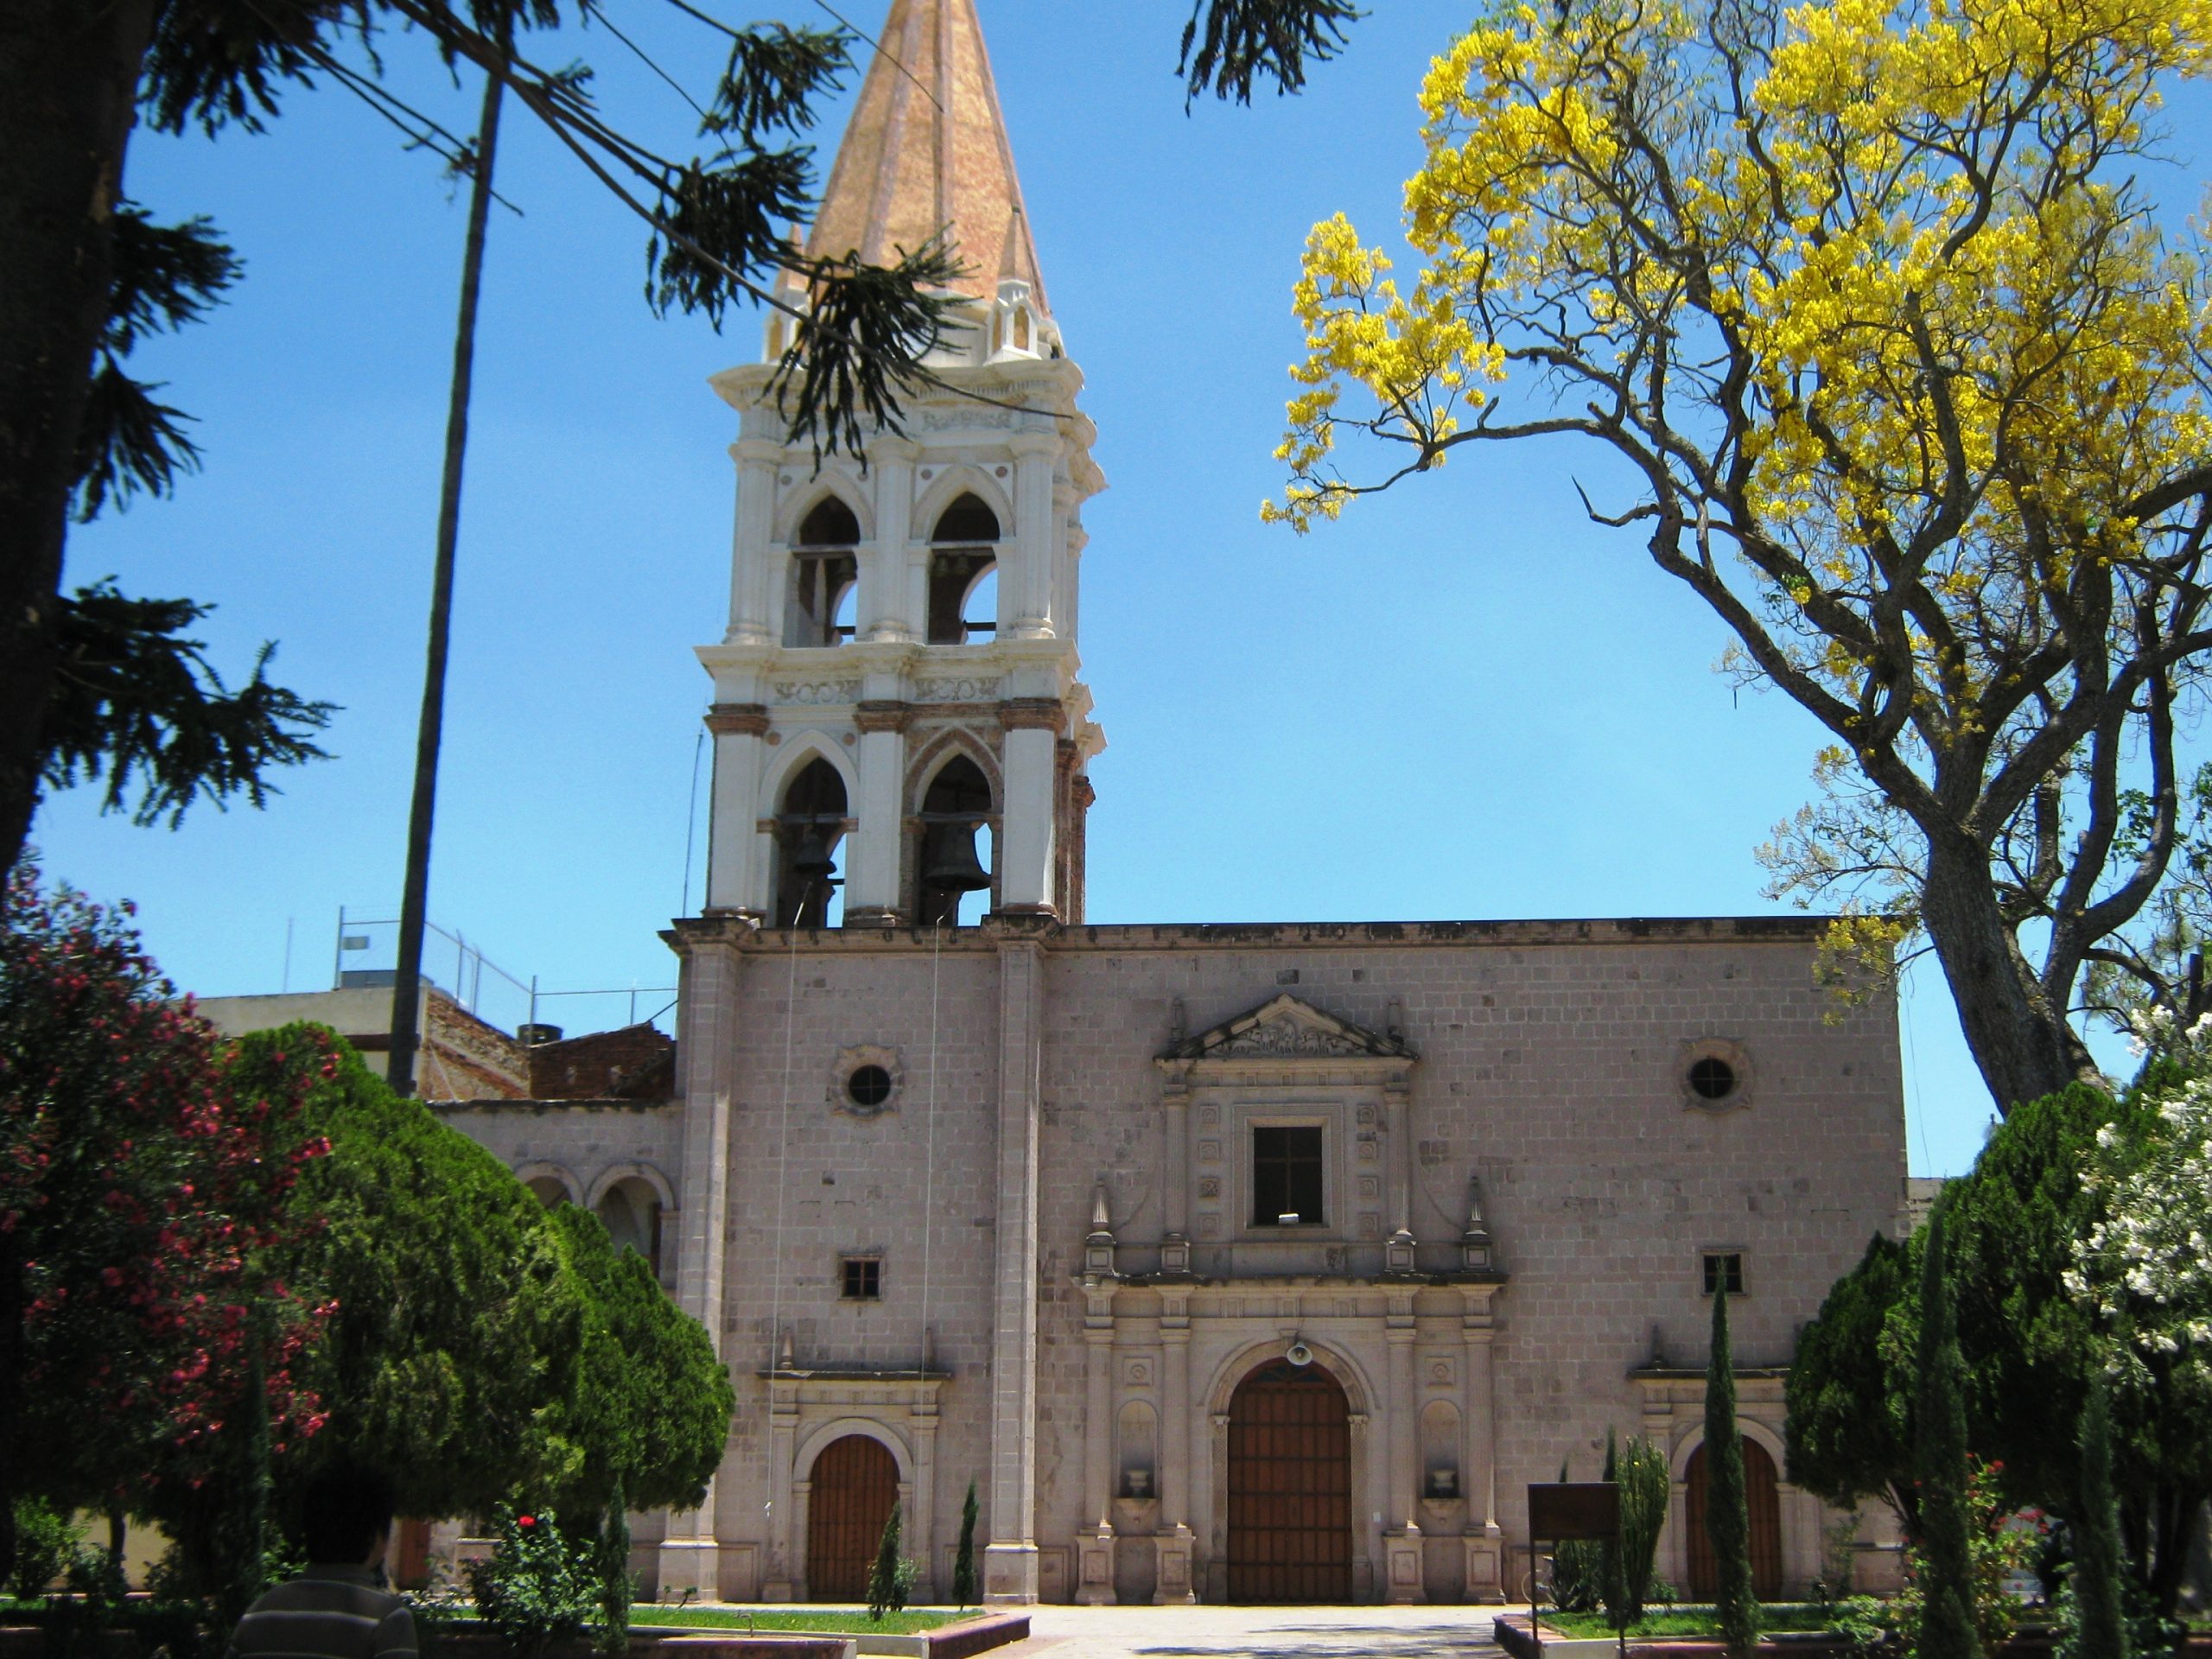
(1256, 1262)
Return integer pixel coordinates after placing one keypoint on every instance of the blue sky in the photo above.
(1465, 700)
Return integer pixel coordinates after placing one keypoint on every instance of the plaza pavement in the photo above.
(1209, 1632)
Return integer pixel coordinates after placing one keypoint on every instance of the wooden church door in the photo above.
(856, 1482)
(1765, 1503)
(1289, 1487)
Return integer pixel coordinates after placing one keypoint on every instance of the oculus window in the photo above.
(1286, 1177)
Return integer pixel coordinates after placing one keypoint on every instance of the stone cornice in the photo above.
(1033, 714)
(1664, 931)
(745, 719)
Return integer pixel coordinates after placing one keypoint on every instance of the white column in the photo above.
(1026, 590)
(736, 877)
(1026, 830)
(689, 1552)
(750, 623)
(872, 882)
(886, 611)
(1010, 1559)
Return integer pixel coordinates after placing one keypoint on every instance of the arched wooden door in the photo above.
(1764, 1503)
(1289, 1487)
(856, 1482)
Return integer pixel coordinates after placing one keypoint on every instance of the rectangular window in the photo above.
(863, 1279)
(1286, 1177)
(1724, 1267)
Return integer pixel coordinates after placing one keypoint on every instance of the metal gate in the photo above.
(1289, 1487)
(1764, 1503)
(856, 1482)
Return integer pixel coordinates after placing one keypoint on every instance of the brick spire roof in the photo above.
(927, 151)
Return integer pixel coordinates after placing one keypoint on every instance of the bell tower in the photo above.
(901, 737)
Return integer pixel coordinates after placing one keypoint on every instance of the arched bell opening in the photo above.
(951, 848)
(825, 575)
(809, 825)
(963, 580)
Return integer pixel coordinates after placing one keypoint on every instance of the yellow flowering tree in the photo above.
(1916, 387)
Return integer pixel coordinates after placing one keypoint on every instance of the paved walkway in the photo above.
(1256, 1633)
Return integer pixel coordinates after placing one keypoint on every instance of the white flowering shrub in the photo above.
(2146, 1270)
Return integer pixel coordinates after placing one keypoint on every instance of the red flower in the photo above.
(525, 1520)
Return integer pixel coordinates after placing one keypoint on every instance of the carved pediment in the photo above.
(1288, 1029)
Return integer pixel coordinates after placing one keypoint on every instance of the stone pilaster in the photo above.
(1027, 600)
(690, 1555)
(1486, 1539)
(1095, 1541)
(1027, 848)
(753, 620)
(1401, 1539)
(886, 611)
(737, 879)
(1010, 1558)
(872, 886)
(1173, 1582)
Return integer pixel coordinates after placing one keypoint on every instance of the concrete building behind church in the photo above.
(1256, 1263)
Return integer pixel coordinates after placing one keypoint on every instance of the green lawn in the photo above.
(849, 1621)
(1687, 1621)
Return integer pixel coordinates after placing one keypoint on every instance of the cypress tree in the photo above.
(1727, 1509)
(963, 1562)
(884, 1592)
(1611, 1557)
(2100, 1620)
(1946, 1626)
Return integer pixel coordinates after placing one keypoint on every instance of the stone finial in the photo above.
(784, 1360)
(1178, 1021)
(1475, 1244)
(1098, 1248)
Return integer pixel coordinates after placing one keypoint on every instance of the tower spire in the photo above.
(927, 152)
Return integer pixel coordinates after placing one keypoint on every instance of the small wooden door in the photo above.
(855, 1483)
(1289, 1487)
(1765, 1503)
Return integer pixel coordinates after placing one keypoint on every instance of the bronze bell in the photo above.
(953, 865)
(812, 862)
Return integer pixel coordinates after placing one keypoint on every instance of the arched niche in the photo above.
(1441, 1476)
(1136, 1452)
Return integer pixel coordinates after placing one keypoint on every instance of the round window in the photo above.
(1712, 1078)
(867, 1085)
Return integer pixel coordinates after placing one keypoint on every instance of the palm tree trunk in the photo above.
(406, 993)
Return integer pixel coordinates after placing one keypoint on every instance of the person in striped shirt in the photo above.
(339, 1608)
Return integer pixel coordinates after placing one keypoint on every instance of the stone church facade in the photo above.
(1257, 1262)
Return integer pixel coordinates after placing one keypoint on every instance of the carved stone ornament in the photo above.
(818, 691)
(1288, 1028)
(964, 689)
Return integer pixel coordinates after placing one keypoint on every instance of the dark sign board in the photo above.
(1577, 1508)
